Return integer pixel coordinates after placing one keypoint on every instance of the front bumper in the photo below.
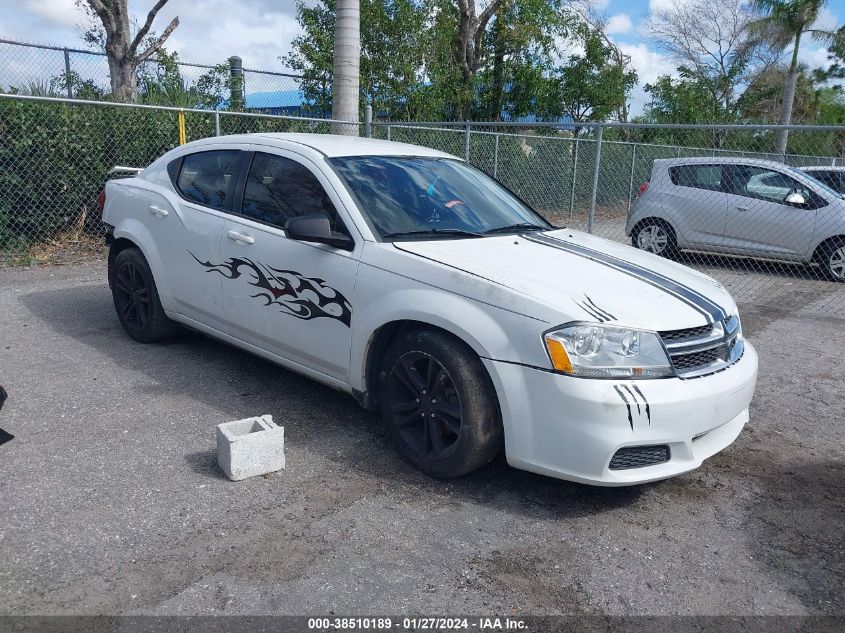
(571, 428)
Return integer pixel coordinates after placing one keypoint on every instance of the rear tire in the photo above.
(438, 404)
(831, 258)
(136, 299)
(655, 236)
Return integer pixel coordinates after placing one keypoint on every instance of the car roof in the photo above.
(823, 168)
(720, 160)
(329, 145)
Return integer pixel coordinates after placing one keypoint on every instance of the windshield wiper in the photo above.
(521, 226)
(425, 232)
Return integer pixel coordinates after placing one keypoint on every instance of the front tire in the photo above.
(439, 405)
(655, 236)
(832, 260)
(136, 299)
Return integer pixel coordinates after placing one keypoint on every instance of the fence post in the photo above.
(631, 184)
(368, 121)
(388, 133)
(217, 123)
(183, 135)
(466, 143)
(496, 157)
(68, 80)
(574, 174)
(592, 215)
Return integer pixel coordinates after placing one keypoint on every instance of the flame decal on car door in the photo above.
(295, 294)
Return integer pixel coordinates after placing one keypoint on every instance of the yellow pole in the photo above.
(183, 136)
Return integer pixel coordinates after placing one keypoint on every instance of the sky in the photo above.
(260, 31)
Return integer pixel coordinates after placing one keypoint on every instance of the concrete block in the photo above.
(250, 447)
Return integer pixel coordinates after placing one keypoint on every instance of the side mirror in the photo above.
(317, 228)
(795, 198)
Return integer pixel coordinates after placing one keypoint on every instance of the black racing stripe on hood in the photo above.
(694, 299)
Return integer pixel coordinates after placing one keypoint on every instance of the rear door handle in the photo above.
(240, 237)
(157, 211)
(742, 208)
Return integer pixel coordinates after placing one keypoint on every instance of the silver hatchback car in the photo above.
(740, 206)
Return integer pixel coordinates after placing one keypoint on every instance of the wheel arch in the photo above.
(817, 251)
(116, 247)
(133, 234)
(380, 339)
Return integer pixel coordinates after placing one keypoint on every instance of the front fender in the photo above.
(491, 332)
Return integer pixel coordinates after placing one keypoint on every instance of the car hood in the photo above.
(578, 276)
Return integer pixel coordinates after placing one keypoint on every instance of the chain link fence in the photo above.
(54, 71)
(716, 199)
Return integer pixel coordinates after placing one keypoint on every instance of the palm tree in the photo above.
(785, 22)
(347, 60)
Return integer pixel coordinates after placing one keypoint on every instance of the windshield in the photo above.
(815, 180)
(415, 197)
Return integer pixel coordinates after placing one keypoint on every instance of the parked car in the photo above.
(833, 177)
(426, 290)
(740, 206)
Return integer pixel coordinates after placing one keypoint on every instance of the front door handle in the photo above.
(742, 208)
(158, 211)
(240, 237)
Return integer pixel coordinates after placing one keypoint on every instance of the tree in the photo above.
(470, 37)
(785, 23)
(591, 86)
(598, 20)
(347, 62)
(394, 43)
(523, 45)
(836, 57)
(121, 48)
(715, 44)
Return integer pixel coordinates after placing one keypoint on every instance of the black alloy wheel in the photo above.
(132, 296)
(439, 404)
(136, 298)
(425, 405)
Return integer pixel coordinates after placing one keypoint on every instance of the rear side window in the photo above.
(208, 178)
(278, 188)
(707, 177)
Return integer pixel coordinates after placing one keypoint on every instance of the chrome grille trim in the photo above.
(704, 351)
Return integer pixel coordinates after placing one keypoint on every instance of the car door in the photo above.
(288, 297)
(759, 219)
(700, 206)
(189, 237)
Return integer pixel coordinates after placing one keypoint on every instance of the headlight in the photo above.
(601, 351)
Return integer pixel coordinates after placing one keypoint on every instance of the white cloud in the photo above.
(61, 13)
(826, 21)
(649, 65)
(619, 23)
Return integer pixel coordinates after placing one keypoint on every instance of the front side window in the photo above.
(407, 196)
(707, 177)
(763, 184)
(208, 178)
(278, 188)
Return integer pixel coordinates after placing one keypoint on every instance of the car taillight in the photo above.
(643, 188)
(101, 202)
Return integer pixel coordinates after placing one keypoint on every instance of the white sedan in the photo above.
(426, 290)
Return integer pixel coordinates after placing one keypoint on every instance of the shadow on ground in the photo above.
(233, 381)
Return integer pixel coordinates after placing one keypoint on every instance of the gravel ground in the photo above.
(111, 501)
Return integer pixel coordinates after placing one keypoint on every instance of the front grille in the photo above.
(704, 350)
(692, 332)
(696, 359)
(639, 457)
